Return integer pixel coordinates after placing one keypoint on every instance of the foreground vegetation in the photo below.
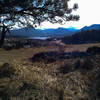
(24, 77)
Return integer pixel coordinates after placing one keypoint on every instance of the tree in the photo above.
(32, 13)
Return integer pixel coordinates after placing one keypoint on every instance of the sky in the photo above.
(88, 11)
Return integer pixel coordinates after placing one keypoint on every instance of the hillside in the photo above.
(53, 69)
(84, 36)
(32, 33)
(92, 27)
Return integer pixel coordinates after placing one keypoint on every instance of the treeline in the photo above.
(86, 36)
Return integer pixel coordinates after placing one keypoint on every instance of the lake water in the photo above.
(40, 38)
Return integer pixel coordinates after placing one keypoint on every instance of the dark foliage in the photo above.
(47, 57)
(67, 68)
(88, 36)
(93, 50)
(37, 9)
(32, 12)
(51, 56)
(7, 48)
(6, 70)
(85, 64)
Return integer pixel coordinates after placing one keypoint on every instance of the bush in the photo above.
(77, 64)
(93, 50)
(84, 65)
(87, 64)
(46, 57)
(6, 70)
(67, 68)
(18, 45)
(7, 47)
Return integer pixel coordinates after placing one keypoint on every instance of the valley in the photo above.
(49, 50)
(55, 68)
(45, 72)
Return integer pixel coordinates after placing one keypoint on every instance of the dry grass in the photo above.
(21, 55)
(37, 80)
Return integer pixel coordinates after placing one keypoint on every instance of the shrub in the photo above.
(6, 70)
(67, 68)
(6, 47)
(87, 64)
(18, 45)
(46, 57)
(77, 64)
(93, 50)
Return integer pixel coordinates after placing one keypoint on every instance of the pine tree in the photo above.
(32, 13)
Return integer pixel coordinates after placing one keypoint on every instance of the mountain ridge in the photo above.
(31, 32)
(91, 27)
(58, 32)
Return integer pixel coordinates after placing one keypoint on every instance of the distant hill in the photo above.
(26, 32)
(31, 32)
(94, 26)
(51, 33)
(60, 32)
(84, 36)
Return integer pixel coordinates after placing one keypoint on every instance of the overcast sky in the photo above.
(89, 12)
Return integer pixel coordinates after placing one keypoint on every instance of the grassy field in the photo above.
(63, 79)
(22, 55)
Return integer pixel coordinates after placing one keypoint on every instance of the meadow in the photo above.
(24, 74)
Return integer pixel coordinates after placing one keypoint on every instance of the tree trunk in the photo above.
(3, 34)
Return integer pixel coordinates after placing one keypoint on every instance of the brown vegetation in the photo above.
(63, 79)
